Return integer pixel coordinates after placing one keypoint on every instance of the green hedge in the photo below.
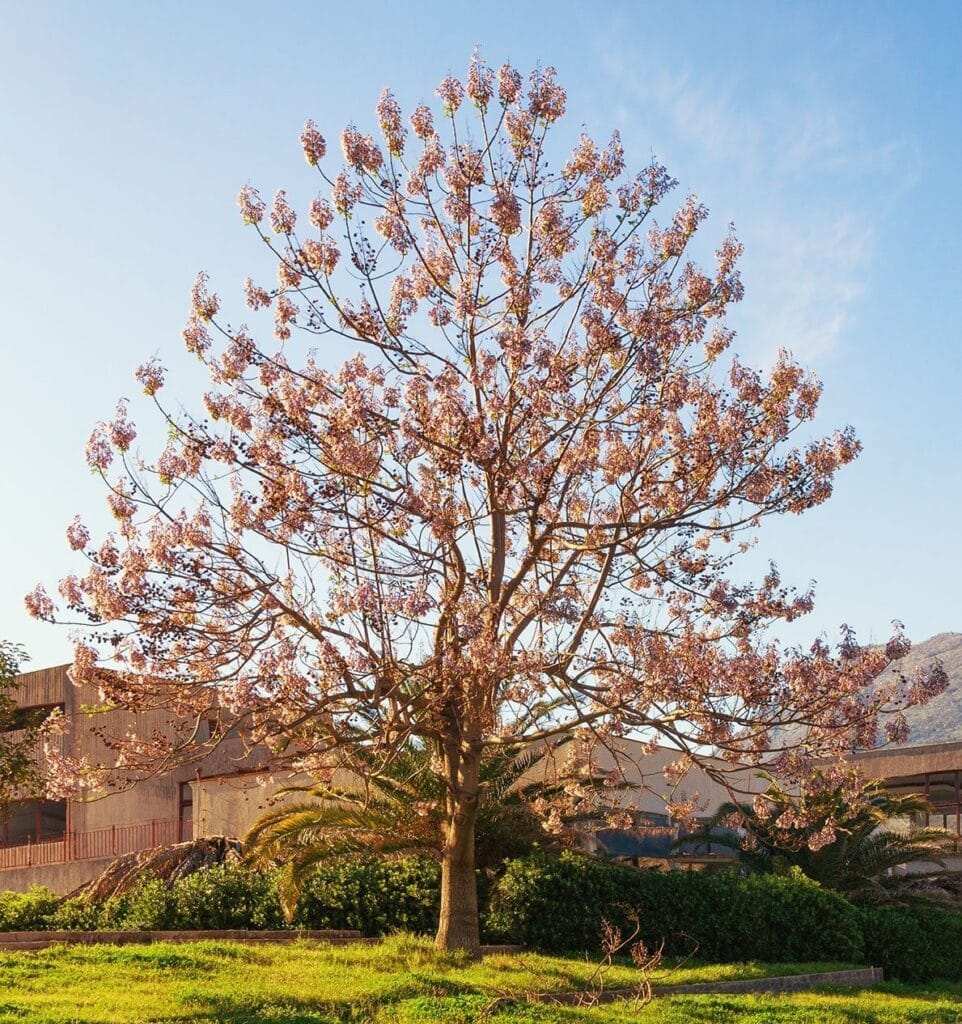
(553, 904)
(559, 903)
(27, 911)
(374, 896)
(918, 943)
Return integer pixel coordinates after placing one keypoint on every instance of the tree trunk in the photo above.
(458, 925)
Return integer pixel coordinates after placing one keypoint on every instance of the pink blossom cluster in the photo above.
(313, 144)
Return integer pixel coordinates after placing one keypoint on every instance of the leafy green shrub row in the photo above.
(373, 896)
(223, 896)
(559, 903)
(918, 943)
(27, 911)
(553, 904)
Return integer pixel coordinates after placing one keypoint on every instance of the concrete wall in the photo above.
(88, 738)
(61, 878)
(134, 801)
(896, 762)
(648, 790)
(228, 806)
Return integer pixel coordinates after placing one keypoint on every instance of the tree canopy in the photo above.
(515, 508)
(19, 732)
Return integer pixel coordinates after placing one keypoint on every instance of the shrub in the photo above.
(372, 895)
(76, 913)
(559, 903)
(227, 896)
(552, 904)
(27, 911)
(217, 897)
(150, 905)
(376, 896)
(918, 943)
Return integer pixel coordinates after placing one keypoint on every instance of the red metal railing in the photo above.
(112, 841)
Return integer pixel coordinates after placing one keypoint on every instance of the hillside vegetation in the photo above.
(941, 719)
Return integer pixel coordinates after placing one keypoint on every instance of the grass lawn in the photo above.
(403, 980)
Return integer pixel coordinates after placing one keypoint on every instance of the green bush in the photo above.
(559, 904)
(374, 896)
(918, 943)
(217, 897)
(227, 896)
(27, 911)
(76, 913)
(149, 906)
(552, 904)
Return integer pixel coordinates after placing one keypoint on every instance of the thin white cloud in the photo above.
(789, 168)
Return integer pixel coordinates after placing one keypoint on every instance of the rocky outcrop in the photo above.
(939, 721)
(165, 862)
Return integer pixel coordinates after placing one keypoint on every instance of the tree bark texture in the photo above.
(458, 924)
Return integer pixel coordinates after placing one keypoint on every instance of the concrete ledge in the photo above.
(860, 977)
(11, 941)
(61, 878)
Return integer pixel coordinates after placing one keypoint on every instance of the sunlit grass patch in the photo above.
(403, 979)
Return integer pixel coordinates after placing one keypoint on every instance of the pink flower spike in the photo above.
(283, 217)
(99, 454)
(39, 605)
(252, 207)
(78, 536)
(451, 92)
(313, 144)
(151, 376)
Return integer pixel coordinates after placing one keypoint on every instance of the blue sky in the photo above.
(831, 134)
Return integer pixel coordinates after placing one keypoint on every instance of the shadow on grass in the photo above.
(447, 1008)
(411, 987)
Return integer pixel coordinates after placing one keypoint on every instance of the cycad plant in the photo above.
(400, 810)
(769, 837)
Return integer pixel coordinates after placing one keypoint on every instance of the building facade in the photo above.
(64, 843)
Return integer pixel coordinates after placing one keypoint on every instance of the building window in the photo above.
(32, 821)
(186, 815)
(31, 717)
(942, 790)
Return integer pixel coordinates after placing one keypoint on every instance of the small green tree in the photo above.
(836, 834)
(19, 734)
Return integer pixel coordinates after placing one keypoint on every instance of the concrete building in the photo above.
(64, 843)
(935, 771)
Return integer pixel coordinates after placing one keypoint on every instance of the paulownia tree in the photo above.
(512, 512)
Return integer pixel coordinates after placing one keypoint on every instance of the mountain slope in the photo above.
(941, 719)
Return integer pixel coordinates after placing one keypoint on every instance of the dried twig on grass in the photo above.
(613, 943)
